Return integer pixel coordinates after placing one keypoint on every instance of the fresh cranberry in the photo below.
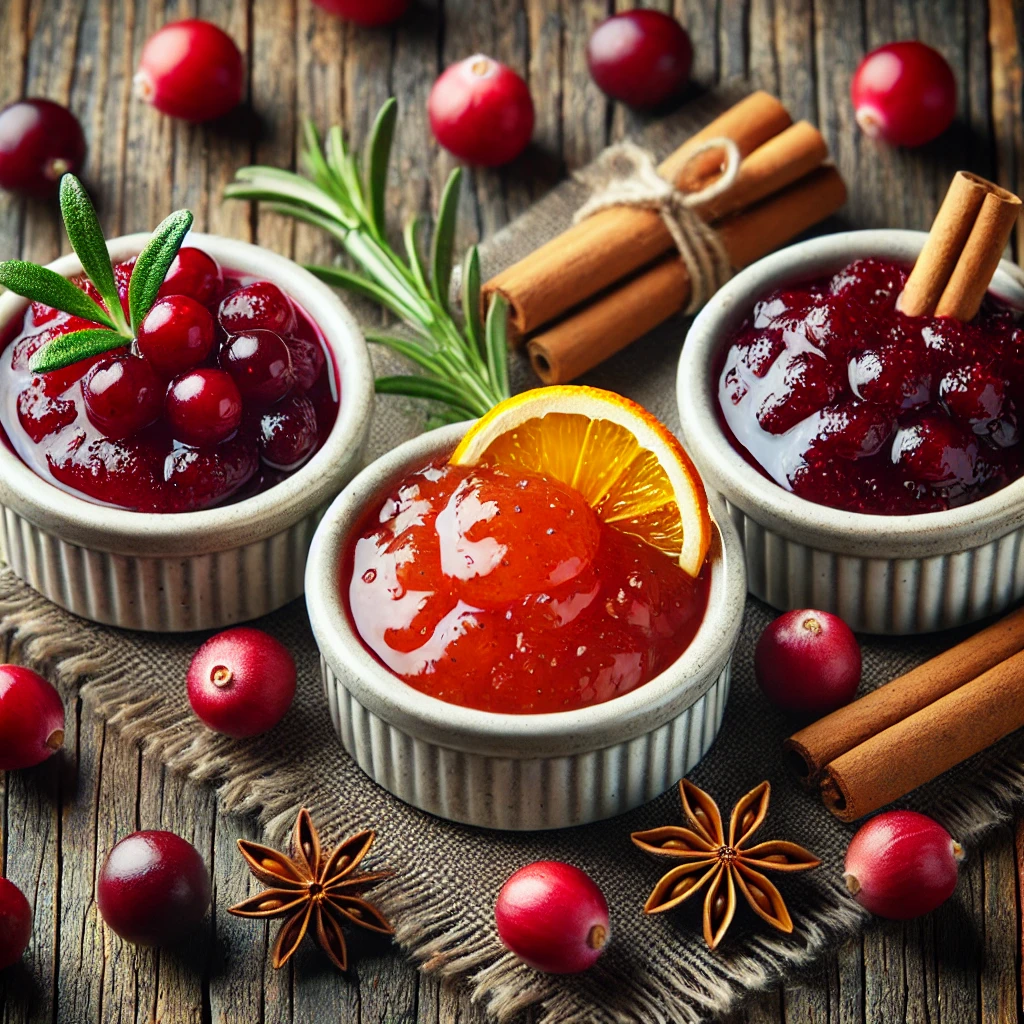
(122, 395)
(904, 93)
(481, 111)
(288, 433)
(808, 661)
(31, 718)
(153, 888)
(176, 335)
(192, 70)
(890, 376)
(307, 360)
(260, 364)
(15, 923)
(973, 395)
(808, 385)
(241, 682)
(366, 12)
(195, 274)
(553, 917)
(203, 477)
(39, 142)
(901, 865)
(640, 57)
(203, 407)
(934, 450)
(258, 306)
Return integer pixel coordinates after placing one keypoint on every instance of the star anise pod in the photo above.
(724, 866)
(311, 887)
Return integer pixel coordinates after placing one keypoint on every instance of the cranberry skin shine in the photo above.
(31, 718)
(15, 923)
(153, 888)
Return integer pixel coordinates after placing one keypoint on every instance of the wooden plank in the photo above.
(998, 1003)
(1005, 28)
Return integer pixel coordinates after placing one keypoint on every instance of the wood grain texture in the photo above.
(58, 821)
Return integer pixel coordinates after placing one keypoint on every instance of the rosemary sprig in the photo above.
(464, 363)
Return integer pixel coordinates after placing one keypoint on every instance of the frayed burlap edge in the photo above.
(114, 685)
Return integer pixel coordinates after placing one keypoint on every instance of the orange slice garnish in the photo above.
(629, 467)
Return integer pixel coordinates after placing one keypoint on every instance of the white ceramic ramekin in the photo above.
(193, 570)
(882, 574)
(515, 771)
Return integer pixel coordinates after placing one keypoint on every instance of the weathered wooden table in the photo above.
(960, 964)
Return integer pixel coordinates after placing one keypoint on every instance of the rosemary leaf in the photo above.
(75, 346)
(471, 300)
(426, 387)
(46, 286)
(444, 238)
(416, 353)
(153, 263)
(497, 343)
(378, 155)
(411, 236)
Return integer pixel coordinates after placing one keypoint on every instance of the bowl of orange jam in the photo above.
(528, 625)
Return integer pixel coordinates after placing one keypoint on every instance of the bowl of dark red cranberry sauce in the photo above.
(176, 483)
(873, 461)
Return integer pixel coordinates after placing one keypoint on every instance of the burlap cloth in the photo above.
(656, 969)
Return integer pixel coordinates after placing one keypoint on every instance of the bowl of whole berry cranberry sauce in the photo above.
(495, 656)
(872, 462)
(176, 485)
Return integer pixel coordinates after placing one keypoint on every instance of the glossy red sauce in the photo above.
(843, 400)
(506, 593)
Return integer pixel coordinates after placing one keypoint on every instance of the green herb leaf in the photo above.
(153, 263)
(444, 238)
(86, 237)
(497, 343)
(74, 347)
(340, 278)
(425, 387)
(471, 299)
(410, 349)
(411, 236)
(42, 285)
(378, 155)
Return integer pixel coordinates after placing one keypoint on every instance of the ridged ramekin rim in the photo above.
(556, 734)
(100, 527)
(767, 503)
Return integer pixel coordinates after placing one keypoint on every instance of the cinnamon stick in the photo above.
(813, 747)
(964, 246)
(603, 327)
(614, 243)
(927, 743)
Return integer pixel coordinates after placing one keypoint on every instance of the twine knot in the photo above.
(627, 175)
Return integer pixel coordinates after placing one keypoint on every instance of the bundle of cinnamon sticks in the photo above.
(614, 276)
(913, 729)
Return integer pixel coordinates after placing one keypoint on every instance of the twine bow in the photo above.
(627, 175)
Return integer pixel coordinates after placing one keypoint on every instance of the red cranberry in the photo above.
(288, 433)
(31, 718)
(869, 281)
(974, 395)
(307, 361)
(153, 888)
(192, 70)
(808, 661)
(39, 142)
(15, 923)
(258, 306)
(890, 376)
(195, 274)
(241, 682)
(203, 407)
(640, 57)
(553, 917)
(260, 364)
(854, 430)
(122, 396)
(366, 12)
(934, 450)
(481, 111)
(901, 865)
(177, 334)
(904, 93)
(760, 353)
(810, 382)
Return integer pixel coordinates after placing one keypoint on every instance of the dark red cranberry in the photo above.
(15, 923)
(481, 111)
(203, 477)
(973, 395)
(195, 274)
(288, 433)
(891, 376)
(258, 306)
(307, 361)
(192, 70)
(153, 888)
(241, 682)
(762, 351)
(872, 282)
(39, 142)
(370, 13)
(809, 384)
(808, 661)
(260, 364)
(904, 93)
(640, 57)
(177, 334)
(203, 407)
(854, 430)
(934, 450)
(122, 395)
(31, 718)
(122, 280)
